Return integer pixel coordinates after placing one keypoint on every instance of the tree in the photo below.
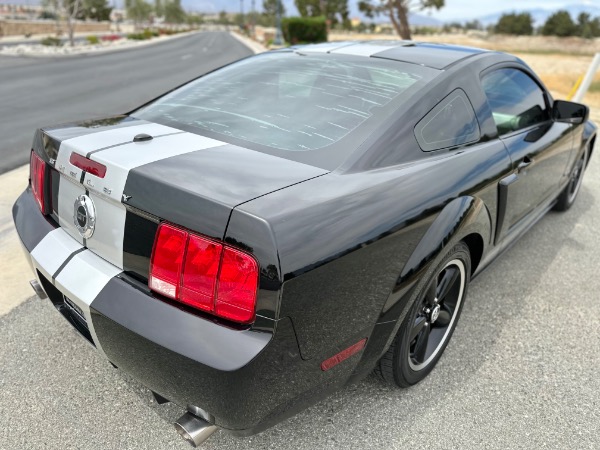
(587, 27)
(158, 8)
(223, 18)
(270, 10)
(333, 10)
(398, 10)
(96, 10)
(559, 24)
(173, 11)
(67, 8)
(138, 11)
(518, 24)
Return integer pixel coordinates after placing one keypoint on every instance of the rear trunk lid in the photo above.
(187, 179)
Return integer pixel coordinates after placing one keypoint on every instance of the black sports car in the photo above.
(257, 238)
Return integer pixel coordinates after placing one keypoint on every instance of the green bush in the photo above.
(93, 40)
(138, 36)
(299, 30)
(51, 41)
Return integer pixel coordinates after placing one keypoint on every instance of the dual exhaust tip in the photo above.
(191, 428)
(194, 429)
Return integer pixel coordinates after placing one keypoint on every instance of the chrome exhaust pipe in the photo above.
(37, 287)
(193, 429)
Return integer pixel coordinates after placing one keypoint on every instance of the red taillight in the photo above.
(200, 273)
(37, 173)
(167, 259)
(204, 274)
(93, 167)
(238, 281)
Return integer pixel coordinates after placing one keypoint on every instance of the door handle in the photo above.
(527, 161)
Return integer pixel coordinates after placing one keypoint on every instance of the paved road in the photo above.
(36, 92)
(521, 371)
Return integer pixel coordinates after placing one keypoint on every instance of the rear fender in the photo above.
(589, 137)
(459, 218)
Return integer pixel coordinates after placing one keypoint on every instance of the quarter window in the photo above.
(516, 100)
(451, 123)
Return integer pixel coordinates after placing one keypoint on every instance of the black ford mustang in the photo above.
(257, 238)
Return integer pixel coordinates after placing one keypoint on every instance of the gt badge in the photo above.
(84, 216)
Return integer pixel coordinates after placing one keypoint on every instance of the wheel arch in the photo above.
(589, 138)
(465, 218)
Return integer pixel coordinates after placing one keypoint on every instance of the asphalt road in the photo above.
(521, 371)
(36, 92)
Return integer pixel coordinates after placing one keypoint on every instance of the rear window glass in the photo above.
(290, 102)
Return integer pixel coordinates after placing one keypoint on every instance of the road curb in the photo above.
(252, 45)
(101, 50)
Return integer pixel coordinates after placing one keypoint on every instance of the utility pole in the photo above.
(242, 15)
(252, 17)
(278, 39)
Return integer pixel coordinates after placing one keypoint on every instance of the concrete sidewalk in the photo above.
(15, 272)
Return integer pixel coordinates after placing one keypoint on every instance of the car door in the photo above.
(538, 147)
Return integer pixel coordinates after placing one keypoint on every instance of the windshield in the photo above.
(288, 101)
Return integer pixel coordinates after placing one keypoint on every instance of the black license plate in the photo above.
(75, 309)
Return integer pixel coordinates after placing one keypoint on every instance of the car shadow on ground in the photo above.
(88, 404)
(495, 296)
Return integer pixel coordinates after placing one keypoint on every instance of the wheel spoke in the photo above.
(421, 344)
(447, 282)
(417, 327)
(430, 295)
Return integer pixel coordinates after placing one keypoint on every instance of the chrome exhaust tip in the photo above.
(37, 287)
(193, 429)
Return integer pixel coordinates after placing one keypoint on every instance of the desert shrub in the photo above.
(51, 41)
(93, 40)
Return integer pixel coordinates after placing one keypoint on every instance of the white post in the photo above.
(587, 80)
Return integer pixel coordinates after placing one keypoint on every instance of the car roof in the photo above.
(436, 56)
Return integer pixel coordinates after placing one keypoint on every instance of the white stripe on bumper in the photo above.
(81, 279)
(53, 251)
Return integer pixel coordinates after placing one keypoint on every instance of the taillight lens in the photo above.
(204, 274)
(37, 174)
(167, 259)
(238, 282)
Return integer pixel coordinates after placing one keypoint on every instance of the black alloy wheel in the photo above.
(429, 325)
(569, 194)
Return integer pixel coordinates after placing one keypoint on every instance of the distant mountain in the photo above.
(540, 15)
(422, 20)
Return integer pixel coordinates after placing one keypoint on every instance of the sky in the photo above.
(459, 9)
(454, 9)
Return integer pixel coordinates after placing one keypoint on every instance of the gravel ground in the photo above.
(520, 372)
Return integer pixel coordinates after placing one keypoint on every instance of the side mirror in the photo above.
(569, 112)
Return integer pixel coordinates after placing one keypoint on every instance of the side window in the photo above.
(452, 122)
(516, 100)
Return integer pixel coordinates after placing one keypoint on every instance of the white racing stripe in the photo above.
(82, 277)
(68, 191)
(52, 251)
(81, 281)
(364, 49)
(120, 160)
(122, 156)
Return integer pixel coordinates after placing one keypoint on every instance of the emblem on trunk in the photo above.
(84, 216)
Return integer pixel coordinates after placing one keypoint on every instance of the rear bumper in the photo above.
(244, 379)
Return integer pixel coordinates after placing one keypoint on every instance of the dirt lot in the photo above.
(559, 62)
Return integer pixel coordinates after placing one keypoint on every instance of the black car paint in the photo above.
(341, 255)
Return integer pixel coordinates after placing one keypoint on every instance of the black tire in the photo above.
(569, 194)
(412, 355)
